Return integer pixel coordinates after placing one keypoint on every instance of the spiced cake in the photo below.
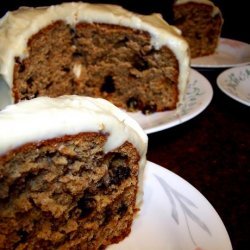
(137, 62)
(71, 171)
(200, 22)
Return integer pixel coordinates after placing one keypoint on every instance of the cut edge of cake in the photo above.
(192, 36)
(51, 133)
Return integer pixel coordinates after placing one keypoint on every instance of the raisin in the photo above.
(21, 67)
(118, 169)
(36, 94)
(121, 43)
(107, 216)
(65, 69)
(30, 80)
(77, 54)
(108, 85)
(118, 174)
(197, 36)
(102, 185)
(87, 205)
(72, 32)
(48, 85)
(23, 235)
(140, 63)
(149, 109)
(134, 103)
(122, 209)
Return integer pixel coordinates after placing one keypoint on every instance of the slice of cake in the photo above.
(200, 22)
(71, 171)
(137, 62)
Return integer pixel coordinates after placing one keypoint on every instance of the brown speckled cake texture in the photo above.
(66, 193)
(100, 60)
(199, 26)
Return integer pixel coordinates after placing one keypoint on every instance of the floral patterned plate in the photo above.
(235, 82)
(198, 95)
(174, 216)
(229, 53)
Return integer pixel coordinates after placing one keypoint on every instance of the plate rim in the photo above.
(220, 83)
(217, 66)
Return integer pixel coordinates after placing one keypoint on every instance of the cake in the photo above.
(71, 171)
(137, 62)
(200, 22)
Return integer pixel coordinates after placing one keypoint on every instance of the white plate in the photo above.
(230, 53)
(198, 96)
(174, 216)
(235, 82)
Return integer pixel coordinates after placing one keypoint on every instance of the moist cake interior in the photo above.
(109, 61)
(199, 27)
(65, 193)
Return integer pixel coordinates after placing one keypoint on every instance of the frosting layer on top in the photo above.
(18, 26)
(45, 118)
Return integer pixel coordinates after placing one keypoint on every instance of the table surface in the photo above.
(212, 150)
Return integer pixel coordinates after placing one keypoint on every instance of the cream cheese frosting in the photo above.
(216, 10)
(45, 118)
(18, 26)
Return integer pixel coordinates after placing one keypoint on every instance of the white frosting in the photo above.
(216, 10)
(45, 118)
(18, 26)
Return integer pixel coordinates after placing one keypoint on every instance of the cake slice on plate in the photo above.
(71, 171)
(200, 22)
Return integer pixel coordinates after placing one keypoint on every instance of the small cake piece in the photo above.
(137, 62)
(71, 172)
(200, 22)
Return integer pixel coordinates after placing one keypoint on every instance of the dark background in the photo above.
(235, 13)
